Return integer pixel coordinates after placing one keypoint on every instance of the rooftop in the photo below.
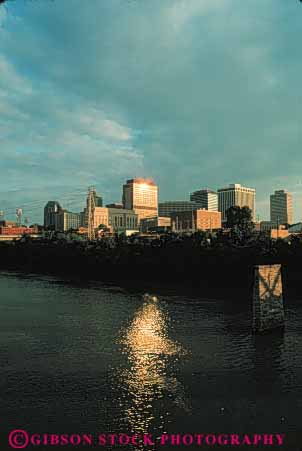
(142, 181)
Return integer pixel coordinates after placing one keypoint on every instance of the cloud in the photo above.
(192, 93)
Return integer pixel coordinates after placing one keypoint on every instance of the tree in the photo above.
(239, 220)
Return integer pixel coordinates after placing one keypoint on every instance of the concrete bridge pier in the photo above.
(268, 309)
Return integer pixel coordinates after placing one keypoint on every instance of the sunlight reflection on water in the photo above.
(147, 377)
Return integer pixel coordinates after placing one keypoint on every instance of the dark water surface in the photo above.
(98, 359)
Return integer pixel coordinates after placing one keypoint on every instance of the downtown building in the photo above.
(67, 220)
(141, 196)
(11, 230)
(236, 195)
(167, 209)
(158, 223)
(50, 211)
(117, 220)
(205, 199)
(191, 221)
(97, 201)
(281, 207)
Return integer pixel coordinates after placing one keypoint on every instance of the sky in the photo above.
(192, 93)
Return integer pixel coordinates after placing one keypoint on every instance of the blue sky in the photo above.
(194, 93)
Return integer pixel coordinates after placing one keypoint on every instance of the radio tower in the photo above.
(90, 213)
(19, 213)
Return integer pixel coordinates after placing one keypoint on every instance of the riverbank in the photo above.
(214, 272)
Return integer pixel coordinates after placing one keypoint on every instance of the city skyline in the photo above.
(164, 90)
(164, 206)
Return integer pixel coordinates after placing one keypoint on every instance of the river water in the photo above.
(92, 358)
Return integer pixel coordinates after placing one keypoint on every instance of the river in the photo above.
(98, 359)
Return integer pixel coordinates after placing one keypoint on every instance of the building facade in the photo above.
(295, 228)
(118, 220)
(66, 220)
(18, 230)
(97, 203)
(141, 196)
(281, 207)
(236, 195)
(50, 210)
(196, 220)
(205, 199)
(115, 205)
(175, 206)
(158, 222)
(266, 226)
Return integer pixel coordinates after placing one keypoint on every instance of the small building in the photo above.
(295, 228)
(196, 220)
(6, 223)
(157, 223)
(266, 226)
(118, 220)
(278, 233)
(18, 230)
(11, 232)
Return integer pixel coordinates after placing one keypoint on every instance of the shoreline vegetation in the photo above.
(213, 266)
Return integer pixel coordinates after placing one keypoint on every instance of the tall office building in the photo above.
(281, 207)
(205, 199)
(166, 209)
(50, 210)
(141, 195)
(236, 195)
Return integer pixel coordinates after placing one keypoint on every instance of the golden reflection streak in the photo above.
(148, 350)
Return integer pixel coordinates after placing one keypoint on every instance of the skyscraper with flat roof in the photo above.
(281, 207)
(50, 210)
(205, 199)
(141, 195)
(236, 195)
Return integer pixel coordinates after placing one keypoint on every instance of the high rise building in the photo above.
(50, 210)
(174, 206)
(281, 207)
(141, 195)
(205, 199)
(236, 195)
